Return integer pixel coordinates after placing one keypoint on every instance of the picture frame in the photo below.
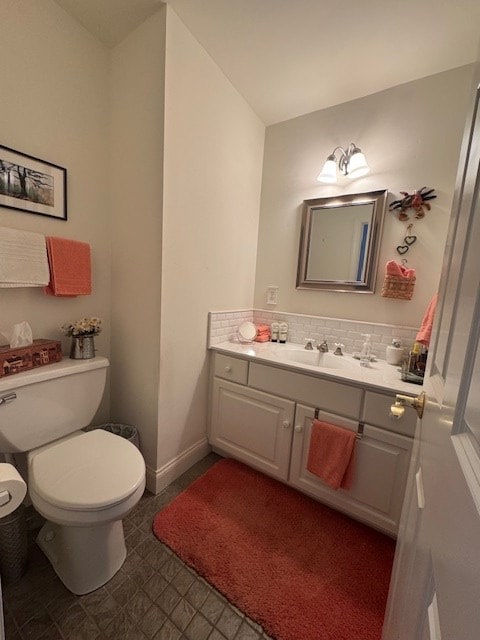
(32, 185)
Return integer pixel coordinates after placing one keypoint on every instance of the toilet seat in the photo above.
(91, 471)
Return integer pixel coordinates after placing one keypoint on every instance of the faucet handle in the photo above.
(338, 350)
(309, 344)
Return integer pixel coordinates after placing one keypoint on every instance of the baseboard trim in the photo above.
(158, 479)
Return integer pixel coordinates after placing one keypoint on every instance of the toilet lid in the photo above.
(93, 470)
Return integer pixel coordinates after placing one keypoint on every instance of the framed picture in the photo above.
(32, 185)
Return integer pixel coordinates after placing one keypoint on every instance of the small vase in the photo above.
(82, 348)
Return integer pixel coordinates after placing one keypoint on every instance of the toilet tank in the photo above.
(51, 402)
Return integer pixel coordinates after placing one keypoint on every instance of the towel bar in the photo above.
(358, 435)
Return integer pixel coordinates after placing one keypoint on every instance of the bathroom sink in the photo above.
(302, 356)
(316, 359)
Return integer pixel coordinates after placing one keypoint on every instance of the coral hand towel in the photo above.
(331, 454)
(392, 268)
(425, 332)
(263, 333)
(70, 268)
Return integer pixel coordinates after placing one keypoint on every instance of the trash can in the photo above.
(13, 545)
(127, 431)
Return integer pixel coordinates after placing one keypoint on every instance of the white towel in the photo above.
(23, 259)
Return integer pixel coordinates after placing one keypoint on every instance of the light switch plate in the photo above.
(272, 294)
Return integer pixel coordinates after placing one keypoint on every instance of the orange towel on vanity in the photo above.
(331, 454)
(425, 332)
(70, 268)
(263, 333)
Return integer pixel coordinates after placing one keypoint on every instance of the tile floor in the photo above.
(154, 596)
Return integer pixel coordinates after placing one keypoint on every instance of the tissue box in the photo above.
(38, 354)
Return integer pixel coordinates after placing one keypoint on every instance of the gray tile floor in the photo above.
(153, 596)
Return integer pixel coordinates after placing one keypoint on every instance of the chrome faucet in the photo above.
(323, 348)
(309, 344)
(338, 351)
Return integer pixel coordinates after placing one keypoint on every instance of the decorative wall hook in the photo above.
(408, 240)
(418, 201)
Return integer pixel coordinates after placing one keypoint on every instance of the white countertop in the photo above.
(379, 375)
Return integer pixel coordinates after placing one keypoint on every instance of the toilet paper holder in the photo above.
(8, 397)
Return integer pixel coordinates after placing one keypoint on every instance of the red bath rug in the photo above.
(300, 569)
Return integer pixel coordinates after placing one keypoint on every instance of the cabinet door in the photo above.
(381, 467)
(252, 426)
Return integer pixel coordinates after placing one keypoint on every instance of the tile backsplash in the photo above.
(223, 325)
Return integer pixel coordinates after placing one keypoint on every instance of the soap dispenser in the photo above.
(365, 354)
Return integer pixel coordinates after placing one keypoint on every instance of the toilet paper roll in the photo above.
(12, 489)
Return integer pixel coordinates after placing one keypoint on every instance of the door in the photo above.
(252, 426)
(435, 591)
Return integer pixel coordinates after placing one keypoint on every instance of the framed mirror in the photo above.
(339, 242)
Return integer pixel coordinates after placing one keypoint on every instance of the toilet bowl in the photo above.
(82, 483)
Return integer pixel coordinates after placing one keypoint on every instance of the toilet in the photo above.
(82, 482)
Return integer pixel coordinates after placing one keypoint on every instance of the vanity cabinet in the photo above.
(252, 426)
(381, 466)
(264, 417)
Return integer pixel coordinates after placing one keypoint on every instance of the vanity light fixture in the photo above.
(351, 162)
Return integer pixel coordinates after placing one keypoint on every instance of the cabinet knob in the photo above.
(298, 428)
(228, 368)
(286, 424)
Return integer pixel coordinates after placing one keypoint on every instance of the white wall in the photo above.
(213, 164)
(54, 105)
(66, 99)
(411, 137)
(137, 106)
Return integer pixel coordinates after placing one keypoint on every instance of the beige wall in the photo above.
(137, 105)
(411, 136)
(213, 164)
(54, 105)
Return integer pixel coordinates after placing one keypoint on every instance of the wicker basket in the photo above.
(38, 354)
(398, 287)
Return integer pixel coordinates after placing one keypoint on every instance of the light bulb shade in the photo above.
(357, 165)
(329, 172)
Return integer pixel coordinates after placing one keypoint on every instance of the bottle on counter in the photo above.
(274, 328)
(365, 354)
(282, 332)
(413, 368)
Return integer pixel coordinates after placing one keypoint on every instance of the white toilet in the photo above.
(82, 483)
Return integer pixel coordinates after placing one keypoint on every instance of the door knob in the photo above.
(228, 368)
(298, 428)
(398, 408)
(286, 424)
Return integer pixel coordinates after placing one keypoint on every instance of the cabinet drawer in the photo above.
(233, 369)
(376, 411)
(331, 396)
